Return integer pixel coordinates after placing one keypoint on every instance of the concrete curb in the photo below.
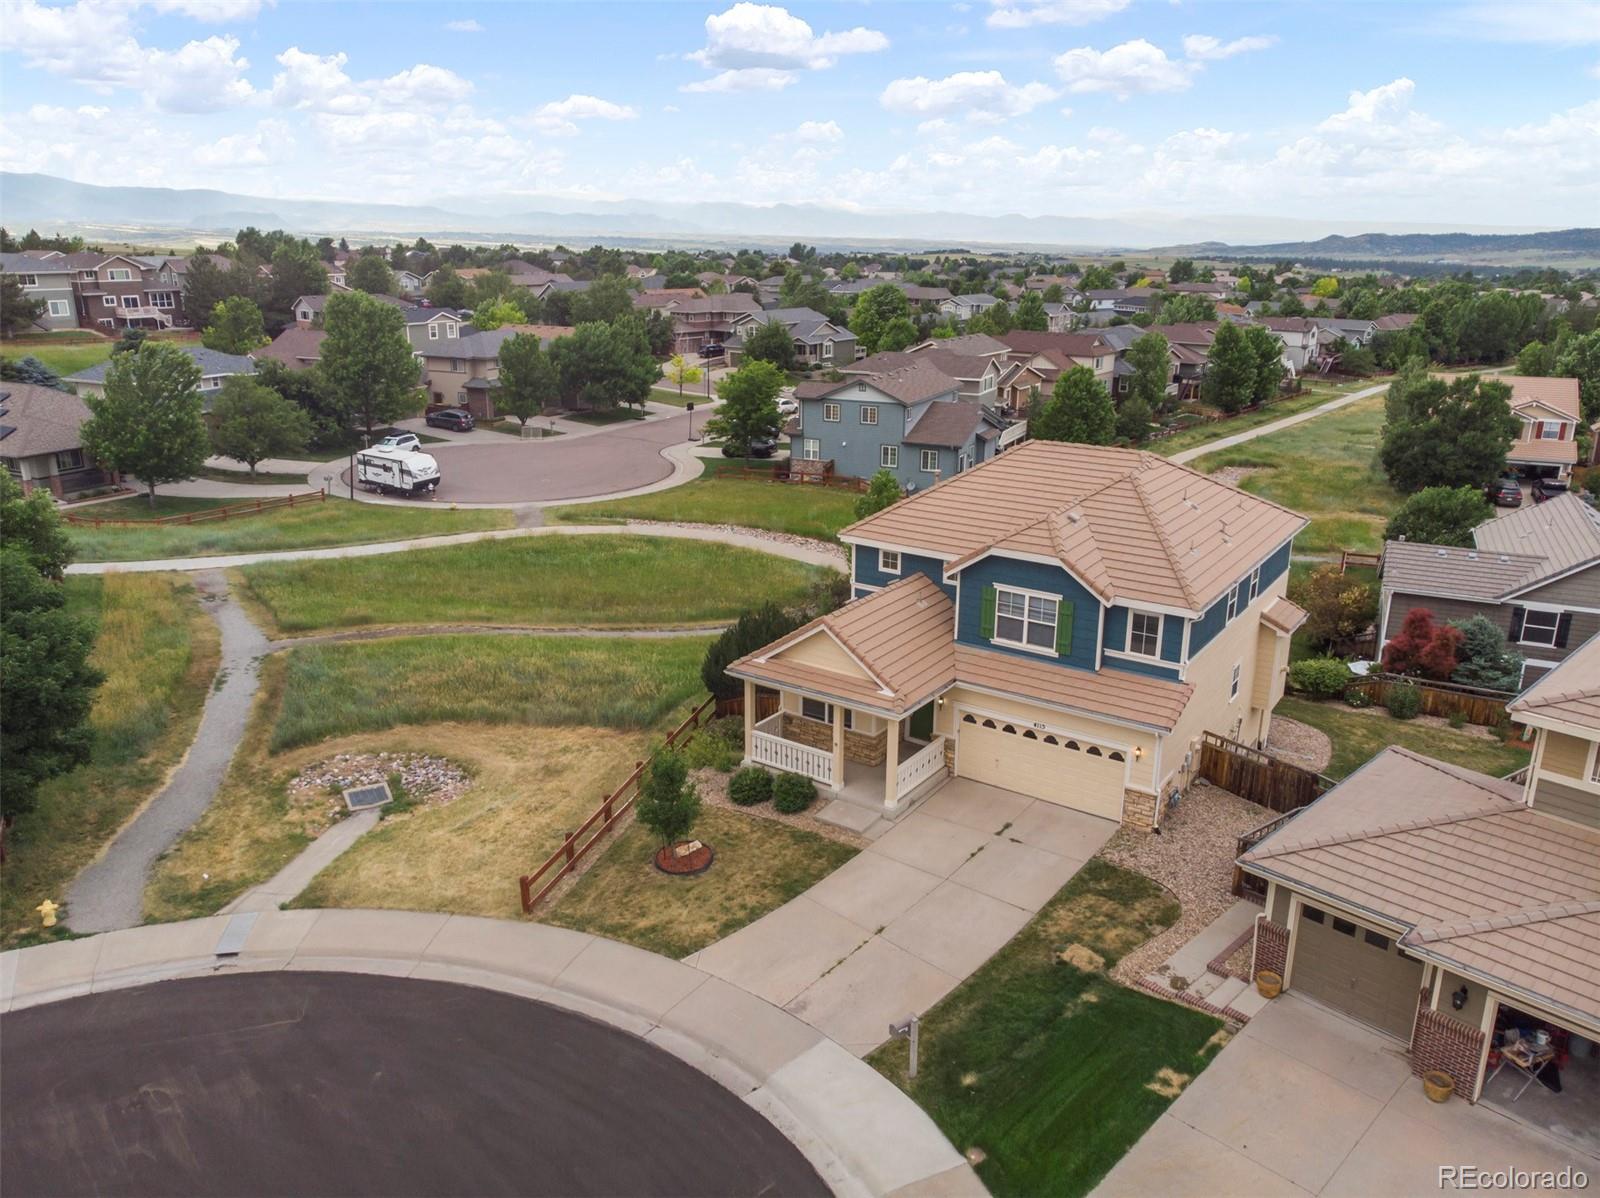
(863, 1136)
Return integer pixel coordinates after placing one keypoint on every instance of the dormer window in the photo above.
(889, 561)
(1024, 619)
(1144, 634)
(433, 332)
(452, 330)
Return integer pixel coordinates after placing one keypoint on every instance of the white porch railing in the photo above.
(769, 748)
(919, 767)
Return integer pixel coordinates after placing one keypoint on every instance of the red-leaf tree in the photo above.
(1423, 647)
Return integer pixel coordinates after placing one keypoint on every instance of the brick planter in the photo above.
(1448, 1045)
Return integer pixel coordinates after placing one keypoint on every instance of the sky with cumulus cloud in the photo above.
(1468, 113)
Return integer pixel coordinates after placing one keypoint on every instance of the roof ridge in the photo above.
(1516, 918)
(1178, 570)
(1324, 842)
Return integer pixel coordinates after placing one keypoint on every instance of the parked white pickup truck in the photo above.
(397, 471)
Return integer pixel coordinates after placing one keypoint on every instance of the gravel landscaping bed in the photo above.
(713, 786)
(1193, 858)
(1299, 744)
(430, 780)
(760, 534)
(1234, 475)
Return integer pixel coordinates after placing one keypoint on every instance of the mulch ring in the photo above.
(713, 787)
(686, 859)
(1299, 744)
(431, 780)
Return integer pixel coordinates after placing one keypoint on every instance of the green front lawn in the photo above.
(586, 581)
(694, 393)
(1327, 469)
(1358, 735)
(1050, 1071)
(1314, 395)
(334, 522)
(720, 497)
(66, 358)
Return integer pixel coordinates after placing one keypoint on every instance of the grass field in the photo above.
(1054, 1072)
(64, 359)
(1358, 735)
(261, 478)
(1313, 396)
(597, 581)
(158, 652)
(366, 686)
(718, 498)
(336, 522)
(760, 864)
(1326, 469)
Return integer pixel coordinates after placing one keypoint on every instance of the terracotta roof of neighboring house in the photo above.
(1227, 309)
(211, 364)
(1414, 568)
(1480, 880)
(1565, 531)
(661, 297)
(949, 425)
(1118, 694)
(1557, 394)
(924, 295)
(1287, 324)
(733, 301)
(1569, 693)
(979, 345)
(36, 420)
(911, 383)
(1131, 525)
(1537, 451)
(295, 347)
(486, 345)
(1285, 615)
(1200, 333)
(1075, 345)
(1394, 321)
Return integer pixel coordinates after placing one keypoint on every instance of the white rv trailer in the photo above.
(397, 471)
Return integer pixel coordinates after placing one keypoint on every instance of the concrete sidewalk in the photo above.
(1333, 405)
(900, 925)
(855, 1126)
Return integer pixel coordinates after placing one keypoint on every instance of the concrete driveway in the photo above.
(1304, 1101)
(906, 920)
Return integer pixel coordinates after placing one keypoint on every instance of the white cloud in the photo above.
(198, 77)
(560, 117)
(1544, 22)
(1204, 48)
(1384, 112)
(319, 83)
(1594, 71)
(466, 26)
(818, 132)
(217, 12)
(269, 141)
(762, 46)
(980, 95)
(1020, 14)
(1135, 66)
(421, 84)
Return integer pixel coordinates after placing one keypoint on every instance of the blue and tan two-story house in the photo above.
(911, 421)
(1064, 621)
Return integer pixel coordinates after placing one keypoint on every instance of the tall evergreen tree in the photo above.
(1230, 369)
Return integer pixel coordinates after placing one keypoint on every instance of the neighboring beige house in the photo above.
(41, 441)
(463, 370)
(1549, 410)
(1064, 621)
(1459, 912)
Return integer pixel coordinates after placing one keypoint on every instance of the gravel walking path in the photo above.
(1277, 426)
(109, 894)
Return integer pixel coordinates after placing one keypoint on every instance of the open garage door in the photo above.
(1048, 764)
(1357, 970)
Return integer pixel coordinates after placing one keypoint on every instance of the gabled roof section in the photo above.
(1570, 693)
(1132, 526)
(1285, 615)
(1564, 531)
(1558, 395)
(914, 382)
(1448, 572)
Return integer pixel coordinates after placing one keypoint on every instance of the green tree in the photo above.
(1133, 420)
(1536, 358)
(130, 340)
(148, 423)
(602, 366)
(1231, 368)
(668, 803)
(1184, 308)
(296, 271)
(205, 284)
(1030, 314)
(1453, 434)
(684, 373)
(33, 526)
(1484, 658)
(881, 492)
(898, 334)
(1097, 278)
(308, 390)
(49, 690)
(495, 315)
(1581, 360)
(367, 360)
(1267, 353)
(1181, 271)
(754, 629)
(1439, 516)
(1327, 287)
(1078, 410)
(370, 273)
(749, 408)
(527, 378)
(771, 342)
(447, 289)
(28, 369)
(874, 309)
(18, 309)
(1054, 294)
(609, 298)
(1151, 359)
(250, 421)
(235, 327)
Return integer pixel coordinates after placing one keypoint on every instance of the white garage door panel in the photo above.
(1360, 973)
(1052, 765)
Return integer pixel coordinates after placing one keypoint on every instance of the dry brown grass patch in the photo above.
(1168, 1082)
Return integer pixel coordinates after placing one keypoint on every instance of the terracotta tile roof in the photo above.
(1073, 345)
(1131, 525)
(1115, 694)
(1569, 693)
(295, 347)
(1284, 614)
(1478, 878)
(1539, 452)
(1394, 321)
(1565, 531)
(1450, 573)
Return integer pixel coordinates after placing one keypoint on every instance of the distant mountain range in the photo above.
(53, 204)
(1560, 247)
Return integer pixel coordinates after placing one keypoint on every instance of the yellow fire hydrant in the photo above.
(47, 912)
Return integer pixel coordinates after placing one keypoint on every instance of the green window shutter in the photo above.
(1064, 629)
(986, 617)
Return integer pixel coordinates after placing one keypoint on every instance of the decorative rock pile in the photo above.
(431, 780)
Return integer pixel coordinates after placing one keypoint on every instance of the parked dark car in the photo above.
(711, 351)
(1548, 488)
(761, 447)
(454, 418)
(1504, 492)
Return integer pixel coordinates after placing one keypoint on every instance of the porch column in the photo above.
(749, 716)
(838, 747)
(891, 766)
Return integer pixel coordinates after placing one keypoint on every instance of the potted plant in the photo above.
(668, 805)
(1438, 1085)
(1268, 983)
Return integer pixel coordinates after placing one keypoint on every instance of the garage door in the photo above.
(1357, 970)
(1046, 763)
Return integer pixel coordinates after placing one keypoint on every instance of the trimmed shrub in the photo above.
(793, 793)
(707, 751)
(1404, 701)
(1458, 719)
(1320, 677)
(1357, 697)
(750, 786)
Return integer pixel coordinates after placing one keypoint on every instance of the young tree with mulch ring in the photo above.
(669, 805)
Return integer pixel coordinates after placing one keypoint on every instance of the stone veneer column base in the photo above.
(1448, 1045)
(858, 746)
(1138, 810)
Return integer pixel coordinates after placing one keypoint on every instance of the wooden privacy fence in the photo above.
(1248, 885)
(248, 508)
(766, 704)
(602, 819)
(1442, 699)
(1255, 776)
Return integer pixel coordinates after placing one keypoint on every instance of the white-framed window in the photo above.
(1233, 603)
(889, 457)
(1539, 628)
(1144, 633)
(1255, 583)
(132, 301)
(1233, 682)
(60, 308)
(119, 274)
(810, 450)
(452, 330)
(1549, 430)
(69, 459)
(827, 350)
(869, 413)
(889, 561)
(306, 315)
(861, 386)
(457, 366)
(87, 276)
(162, 299)
(109, 301)
(433, 332)
(1025, 619)
(29, 280)
(963, 462)
(816, 709)
(929, 461)
(830, 412)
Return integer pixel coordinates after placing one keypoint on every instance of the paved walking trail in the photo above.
(1333, 405)
(109, 894)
